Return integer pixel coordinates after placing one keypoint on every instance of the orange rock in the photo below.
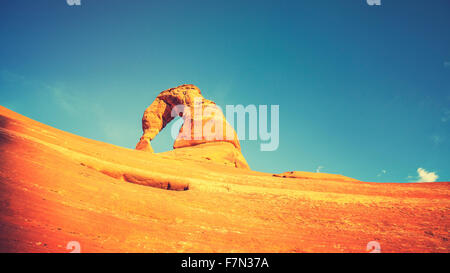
(204, 122)
(221, 153)
(56, 188)
(318, 176)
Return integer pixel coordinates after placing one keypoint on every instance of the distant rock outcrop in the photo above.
(203, 123)
(315, 176)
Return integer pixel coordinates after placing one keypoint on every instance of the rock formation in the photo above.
(56, 188)
(204, 123)
(315, 176)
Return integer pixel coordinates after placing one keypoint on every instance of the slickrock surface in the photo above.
(318, 176)
(205, 113)
(56, 187)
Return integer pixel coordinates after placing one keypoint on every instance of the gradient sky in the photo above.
(364, 91)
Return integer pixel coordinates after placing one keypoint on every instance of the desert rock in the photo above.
(203, 123)
(314, 176)
(56, 187)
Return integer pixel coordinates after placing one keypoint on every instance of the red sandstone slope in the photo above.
(56, 187)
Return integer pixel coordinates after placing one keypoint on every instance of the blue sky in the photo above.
(363, 90)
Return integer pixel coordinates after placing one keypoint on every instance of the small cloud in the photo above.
(383, 172)
(425, 176)
(319, 168)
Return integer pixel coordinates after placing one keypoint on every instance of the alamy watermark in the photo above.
(208, 123)
(373, 247)
(73, 2)
(75, 246)
(374, 2)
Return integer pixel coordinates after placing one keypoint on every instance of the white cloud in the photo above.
(382, 173)
(319, 168)
(425, 176)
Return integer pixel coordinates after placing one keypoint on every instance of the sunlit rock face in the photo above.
(204, 122)
(314, 176)
(57, 187)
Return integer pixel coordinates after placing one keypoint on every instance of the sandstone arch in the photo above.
(198, 113)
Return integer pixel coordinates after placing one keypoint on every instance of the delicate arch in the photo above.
(159, 114)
